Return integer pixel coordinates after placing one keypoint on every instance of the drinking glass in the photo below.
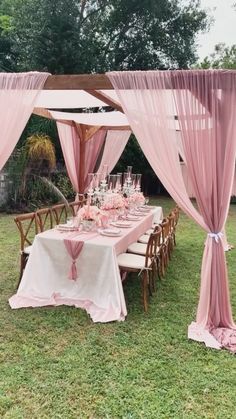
(118, 181)
(138, 180)
(125, 178)
(104, 172)
(90, 181)
(134, 180)
(97, 179)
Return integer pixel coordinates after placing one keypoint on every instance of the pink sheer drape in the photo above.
(92, 151)
(18, 93)
(71, 144)
(206, 107)
(114, 147)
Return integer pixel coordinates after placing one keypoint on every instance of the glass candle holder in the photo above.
(104, 172)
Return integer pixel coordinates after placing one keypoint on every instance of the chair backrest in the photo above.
(59, 213)
(171, 218)
(152, 246)
(176, 212)
(158, 230)
(44, 218)
(28, 227)
(75, 206)
(165, 226)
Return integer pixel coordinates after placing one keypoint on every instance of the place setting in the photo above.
(109, 232)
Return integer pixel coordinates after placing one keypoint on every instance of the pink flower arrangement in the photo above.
(89, 212)
(136, 198)
(113, 201)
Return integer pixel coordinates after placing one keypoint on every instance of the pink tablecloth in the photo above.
(98, 288)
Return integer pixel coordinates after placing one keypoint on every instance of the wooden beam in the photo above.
(81, 132)
(106, 99)
(123, 128)
(78, 82)
(91, 131)
(102, 82)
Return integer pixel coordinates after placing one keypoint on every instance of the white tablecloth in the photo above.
(98, 288)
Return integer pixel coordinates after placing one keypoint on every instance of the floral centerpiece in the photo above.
(89, 216)
(135, 200)
(113, 204)
(113, 201)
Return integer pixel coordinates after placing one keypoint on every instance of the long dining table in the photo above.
(98, 287)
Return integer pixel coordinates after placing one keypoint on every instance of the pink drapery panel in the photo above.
(70, 144)
(114, 147)
(189, 185)
(18, 93)
(92, 151)
(151, 116)
(71, 148)
(205, 102)
(191, 194)
(207, 120)
(187, 180)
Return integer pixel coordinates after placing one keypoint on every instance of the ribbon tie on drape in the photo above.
(216, 236)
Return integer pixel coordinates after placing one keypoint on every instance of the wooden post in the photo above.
(81, 138)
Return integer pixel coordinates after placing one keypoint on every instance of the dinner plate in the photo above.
(122, 224)
(111, 232)
(143, 209)
(132, 218)
(147, 207)
(66, 227)
(140, 213)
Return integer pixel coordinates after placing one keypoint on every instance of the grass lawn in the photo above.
(55, 363)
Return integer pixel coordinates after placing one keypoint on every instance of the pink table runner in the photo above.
(74, 247)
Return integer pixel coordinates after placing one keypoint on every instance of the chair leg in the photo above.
(158, 264)
(163, 263)
(144, 290)
(174, 239)
(155, 274)
(123, 275)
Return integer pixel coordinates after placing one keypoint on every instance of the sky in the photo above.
(222, 30)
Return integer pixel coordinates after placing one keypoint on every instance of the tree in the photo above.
(72, 36)
(7, 55)
(222, 57)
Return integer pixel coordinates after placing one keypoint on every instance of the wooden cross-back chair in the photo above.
(171, 218)
(60, 213)
(45, 219)
(143, 265)
(165, 226)
(176, 213)
(140, 248)
(27, 225)
(76, 205)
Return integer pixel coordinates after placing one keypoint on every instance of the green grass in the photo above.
(55, 363)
